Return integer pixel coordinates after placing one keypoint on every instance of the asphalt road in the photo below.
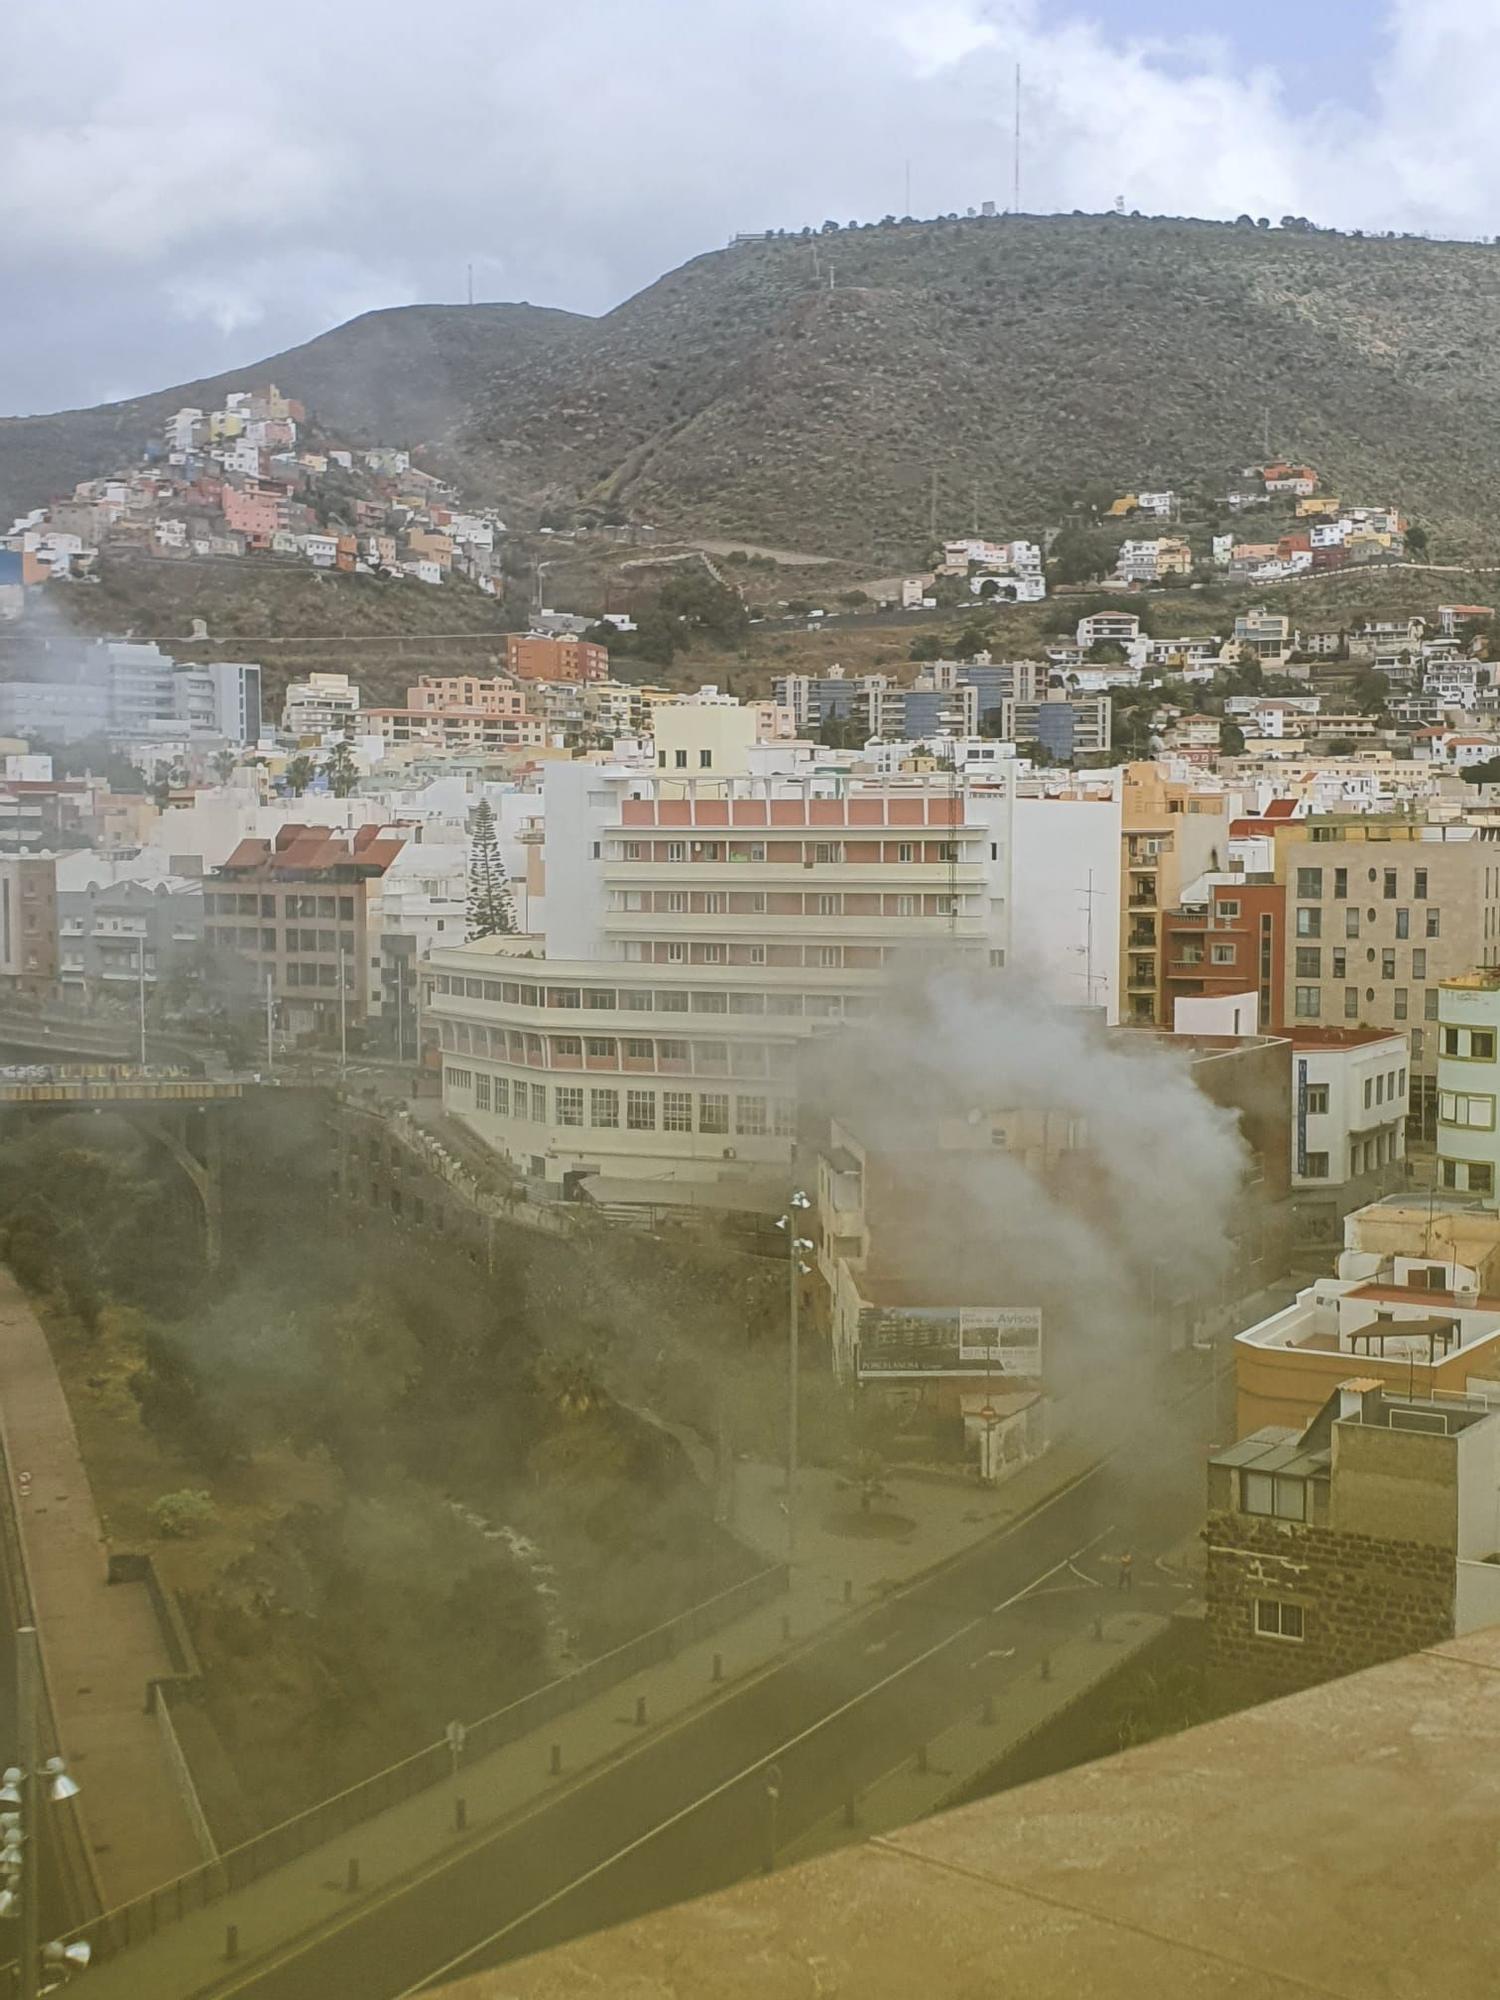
(689, 1811)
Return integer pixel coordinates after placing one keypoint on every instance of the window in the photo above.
(1317, 1099)
(1307, 1003)
(604, 1108)
(1224, 954)
(458, 1079)
(1317, 1167)
(1388, 963)
(829, 850)
(1399, 1002)
(569, 1105)
(705, 760)
(677, 850)
(640, 1110)
(1340, 964)
(1389, 886)
(1481, 1177)
(679, 760)
(828, 954)
(598, 1049)
(750, 1117)
(1482, 1044)
(713, 1112)
(711, 954)
(906, 906)
(1309, 961)
(906, 851)
(564, 996)
(1230, 908)
(1403, 923)
(1419, 885)
(1351, 921)
(1416, 1044)
(1434, 921)
(569, 1047)
(1275, 1619)
(677, 1111)
(1430, 1004)
(677, 955)
(1419, 964)
(1461, 1108)
(1309, 884)
(538, 1102)
(1351, 1003)
(1309, 923)
(481, 1093)
(1341, 883)
(1266, 1493)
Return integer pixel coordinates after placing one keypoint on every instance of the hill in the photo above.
(402, 376)
(1020, 360)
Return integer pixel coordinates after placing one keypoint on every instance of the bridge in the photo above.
(183, 1114)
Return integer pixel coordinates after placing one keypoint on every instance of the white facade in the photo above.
(1065, 898)
(694, 935)
(1350, 1103)
(1120, 628)
(1468, 1083)
(321, 702)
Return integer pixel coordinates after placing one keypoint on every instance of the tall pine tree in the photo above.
(491, 908)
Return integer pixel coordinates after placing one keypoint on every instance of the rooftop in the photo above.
(1327, 1846)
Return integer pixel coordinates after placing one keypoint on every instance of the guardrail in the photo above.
(132, 1923)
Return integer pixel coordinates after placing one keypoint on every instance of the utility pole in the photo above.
(1016, 174)
(343, 1014)
(140, 989)
(28, 1704)
(1089, 893)
(791, 1222)
(270, 1026)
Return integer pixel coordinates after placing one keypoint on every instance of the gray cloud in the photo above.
(183, 195)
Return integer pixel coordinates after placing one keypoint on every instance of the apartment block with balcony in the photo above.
(1226, 937)
(695, 934)
(1468, 1085)
(296, 913)
(113, 936)
(459, 712)
(1349, 1136)
(534, 656)
(1381, 912)
(1171, 835)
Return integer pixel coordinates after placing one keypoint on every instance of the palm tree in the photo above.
(225, 765)
(300, 773)
(341, 770)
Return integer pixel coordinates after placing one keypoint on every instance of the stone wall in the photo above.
(1363, 1600)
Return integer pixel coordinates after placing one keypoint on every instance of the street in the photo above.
(689, 1810)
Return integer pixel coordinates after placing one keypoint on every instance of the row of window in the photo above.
(1471, 1176)
(1457, 1107)
(1310, 883)
(572, 1051)
(795, 853)
(607, 1110)
(1308, 962)
(776, 903)
(644, 1000)
(1384, 1087)
(220, 904)
(641, 951)
(1309, 922)
(263, 940)
(1307, 1003)
(1365, 1155)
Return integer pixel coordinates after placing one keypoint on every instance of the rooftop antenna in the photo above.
(1090, 977)
(1016, 173)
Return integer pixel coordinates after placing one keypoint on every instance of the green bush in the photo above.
(179, 1516)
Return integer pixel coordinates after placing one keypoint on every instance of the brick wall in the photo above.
(1363, 1600)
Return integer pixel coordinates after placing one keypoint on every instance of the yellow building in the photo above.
(703, 738)
(1171, 832)
(1173, 557)
(1126, 504)
(1318, 507)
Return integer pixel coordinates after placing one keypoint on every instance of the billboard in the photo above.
(950, 1340)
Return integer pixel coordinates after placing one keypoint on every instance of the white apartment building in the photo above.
(1120, 628)
(1468, 1084)
(695, 932)
(318, 704)
(1351, 1095)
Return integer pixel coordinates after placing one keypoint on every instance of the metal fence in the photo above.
(116, 1930)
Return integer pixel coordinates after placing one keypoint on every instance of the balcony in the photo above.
(1142, 938)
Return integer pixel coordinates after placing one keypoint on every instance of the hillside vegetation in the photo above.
(1019, 359)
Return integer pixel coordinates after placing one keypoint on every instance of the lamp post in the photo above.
(140, 989)
(796, 1245)
(23, 1788)
(343, 1014)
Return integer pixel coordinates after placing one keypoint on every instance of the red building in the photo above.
(1233, 943)
(531, 656)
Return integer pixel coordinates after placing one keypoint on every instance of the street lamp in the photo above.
(24, 1787)
(796, 1245)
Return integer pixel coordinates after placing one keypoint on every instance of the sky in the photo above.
(188, 189)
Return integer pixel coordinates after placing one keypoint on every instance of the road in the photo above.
(689, 1810)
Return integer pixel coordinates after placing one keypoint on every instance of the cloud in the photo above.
(183, 197)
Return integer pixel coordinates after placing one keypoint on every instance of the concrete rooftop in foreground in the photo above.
(1339, 1842)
